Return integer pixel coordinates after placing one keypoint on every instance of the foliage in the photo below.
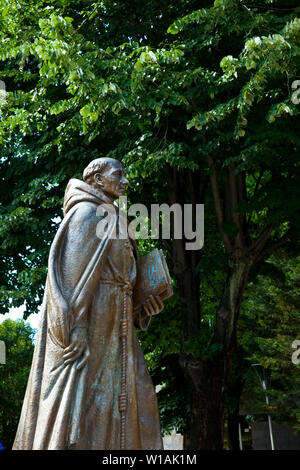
(269, 325)
(18, 336)
(72, 97)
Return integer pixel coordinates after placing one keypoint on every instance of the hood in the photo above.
(79, 191)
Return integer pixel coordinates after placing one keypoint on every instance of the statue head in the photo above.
(108, 175)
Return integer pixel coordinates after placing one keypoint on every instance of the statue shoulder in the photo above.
(85, 212)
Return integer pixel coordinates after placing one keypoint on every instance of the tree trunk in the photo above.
(234, 395)
(206, 420)
(208, 379)
(233, 429)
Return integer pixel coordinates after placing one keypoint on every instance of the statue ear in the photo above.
(98, 179)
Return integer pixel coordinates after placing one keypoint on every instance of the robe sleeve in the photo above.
(141, 319)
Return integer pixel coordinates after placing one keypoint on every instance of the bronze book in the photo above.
(153, 278)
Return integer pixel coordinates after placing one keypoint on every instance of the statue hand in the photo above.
(78, 346)
(153, 305)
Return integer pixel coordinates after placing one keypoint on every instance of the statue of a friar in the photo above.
(89, 387)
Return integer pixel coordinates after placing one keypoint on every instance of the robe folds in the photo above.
(66, 408)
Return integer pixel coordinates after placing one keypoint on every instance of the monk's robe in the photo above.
(89, 279)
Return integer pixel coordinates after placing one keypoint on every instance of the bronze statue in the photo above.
(89, 387)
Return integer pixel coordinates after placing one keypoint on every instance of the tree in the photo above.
(18, 336)
(250, 163)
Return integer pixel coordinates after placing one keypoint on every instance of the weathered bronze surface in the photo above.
(89, 387)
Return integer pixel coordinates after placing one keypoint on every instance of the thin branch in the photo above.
(217, 294)
(191, 184)
(272, 8)
(168, 247)
(203, 188)
(259, 243)
(217, 203)
(242, 196)
(258, 181)
(255, 190)
(164, 10)
(233, 194)
(274, 246)
(89, 17)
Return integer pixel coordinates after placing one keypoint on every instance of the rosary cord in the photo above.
(123, 396)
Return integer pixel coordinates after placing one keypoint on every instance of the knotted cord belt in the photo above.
(127, 290)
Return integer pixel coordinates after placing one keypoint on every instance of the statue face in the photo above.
(112, 180)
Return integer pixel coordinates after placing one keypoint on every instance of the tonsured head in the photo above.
(107, 174)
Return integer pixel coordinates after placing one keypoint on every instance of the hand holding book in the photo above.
(153, 305)
(152, 287)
